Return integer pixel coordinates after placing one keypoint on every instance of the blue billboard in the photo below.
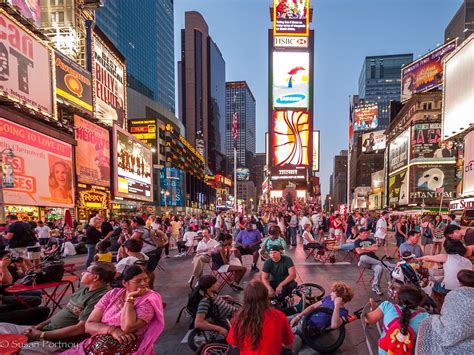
(172, 187)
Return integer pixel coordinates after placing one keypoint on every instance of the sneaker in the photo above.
(255, 268)
(377, 290)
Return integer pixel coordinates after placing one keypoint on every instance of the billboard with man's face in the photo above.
(373, 142)
(426, 143)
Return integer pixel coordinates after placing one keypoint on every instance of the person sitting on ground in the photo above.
(258, 328)
(131, 315)
(248, 243)
(222, 262)
(279, 274)
(132, 249)
(341, 293)
(366, 247)
(411, 245)
(103, 253)
(203, 254)
(274, 238)
(451, 332)
(213, 310)
(68, 324)
(401, 321)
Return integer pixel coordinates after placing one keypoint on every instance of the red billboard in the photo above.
(366, 117)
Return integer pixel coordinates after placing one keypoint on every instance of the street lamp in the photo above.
(165, 194)
(8, 154)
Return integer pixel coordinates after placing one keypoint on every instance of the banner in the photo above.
(468, 166)
(426, 142)
(30, 9)
(373, 142)
(92, 153)
(290, 79)
(366, 117)
(133, 167)
(172, 187)
(398, 189)
(42, 168)
(425, 73)
(25, 71)
(431, 181)
(291, 18)
(110, 87)
(398, 151)
(73, 83)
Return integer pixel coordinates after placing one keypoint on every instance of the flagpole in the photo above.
(235, 177)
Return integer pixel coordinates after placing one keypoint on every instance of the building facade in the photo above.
(461, 25)
(339, 180)
(239, 99)
(150, 64)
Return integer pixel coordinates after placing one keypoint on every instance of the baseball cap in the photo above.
(275, 248)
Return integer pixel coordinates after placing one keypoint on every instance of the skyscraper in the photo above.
(462, 23)
(379, 82)
(145, 36)
(239, 99)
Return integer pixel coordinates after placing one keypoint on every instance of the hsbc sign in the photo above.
(290, 42)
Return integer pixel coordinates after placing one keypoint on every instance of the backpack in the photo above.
(394, 342)
(193, 301)
(427, 232)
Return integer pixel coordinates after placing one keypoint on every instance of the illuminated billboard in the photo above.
(290, 79)
(30, 9)
(145, 130)
(366, 117)
(316, 151)
(468, 165)
(243, 174)
(431, 181)
(291, 17)
(172, 187)
(398, 188)
(133, 167)
(426, 143)
(291, 131)
(458, 90)
(398, 151)
(425, 73)
(373, 142)
(25, 67)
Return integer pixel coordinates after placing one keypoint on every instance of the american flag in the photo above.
(439, 189)
(234, 129)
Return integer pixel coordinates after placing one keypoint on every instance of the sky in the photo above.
(346, 31)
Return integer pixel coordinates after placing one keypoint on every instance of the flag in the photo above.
(235, 134)
(439, 189)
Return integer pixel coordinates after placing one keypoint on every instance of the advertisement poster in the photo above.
(30, 9)
(73, 83)
(398, 151)
(25, 71)
(243, 174)
(290, 79)
(133, 167)
(144, 130)
(172, 187)
(316, 151)
(42, 168)
(398, 189)
(291, 17)
(373, 142)
(92, 153)
(426, 142)
(366, 117)
(431, 181)
(468, 165)
(109, 75)
(291, 138)
(425, 73)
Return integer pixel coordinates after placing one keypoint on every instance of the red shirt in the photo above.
(275, 332)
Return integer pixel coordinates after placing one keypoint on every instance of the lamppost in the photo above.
(165, 194)
(8, 154)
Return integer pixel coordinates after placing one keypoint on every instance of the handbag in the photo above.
(106, 344)
(51, 271)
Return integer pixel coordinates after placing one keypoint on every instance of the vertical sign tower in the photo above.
(290, 104)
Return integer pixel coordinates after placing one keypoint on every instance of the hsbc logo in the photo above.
(290, 42)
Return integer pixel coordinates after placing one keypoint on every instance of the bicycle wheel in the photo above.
(198, 338)
(312, 292)
(322, 340)
(214, 349)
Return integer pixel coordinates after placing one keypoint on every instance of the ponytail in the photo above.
(409, 299)
(405, 319)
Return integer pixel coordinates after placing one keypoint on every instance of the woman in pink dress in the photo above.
(130, 314)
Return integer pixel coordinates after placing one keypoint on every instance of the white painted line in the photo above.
(185, 339)
(315, 263)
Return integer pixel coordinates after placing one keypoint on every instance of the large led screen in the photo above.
(40, 173)
(291, 138)
(291, 17)
(373, 142)
(398, 188)
(290, 79)
(398, 151)
(425, 73)
(133, 168)
(431, 181)
(172, 187)
(316, 151)
(366, 117)
(458, 93)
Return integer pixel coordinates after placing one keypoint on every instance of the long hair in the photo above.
(52, 179)
(248, 322)
(409, 298)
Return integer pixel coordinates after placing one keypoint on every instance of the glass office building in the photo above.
(379, 82)
(143, 31)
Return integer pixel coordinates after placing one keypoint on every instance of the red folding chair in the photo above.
(223, 277)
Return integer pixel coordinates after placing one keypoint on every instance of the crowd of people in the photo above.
(117, 306)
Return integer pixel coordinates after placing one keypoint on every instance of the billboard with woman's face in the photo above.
(42, 168)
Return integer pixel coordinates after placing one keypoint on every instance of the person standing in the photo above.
(438, 239)
(93, 236)
(427, 232)
(43, 232)
(401, 231)
(381, 232)
(293, 228)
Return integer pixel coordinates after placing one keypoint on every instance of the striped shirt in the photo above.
(220, 309)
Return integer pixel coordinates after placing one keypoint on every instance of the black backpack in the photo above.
(193, 301)
(427, 232)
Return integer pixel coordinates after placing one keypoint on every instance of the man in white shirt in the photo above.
(219, 224)
(381, 232)
(203, 254)
(44, 233)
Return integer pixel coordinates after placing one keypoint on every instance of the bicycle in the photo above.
(308, 294)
